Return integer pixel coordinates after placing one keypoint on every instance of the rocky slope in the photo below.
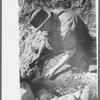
(68, 80)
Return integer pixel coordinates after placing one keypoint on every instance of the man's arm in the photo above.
(64, 59)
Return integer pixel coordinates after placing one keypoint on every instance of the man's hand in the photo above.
(62, 61)
(50, 73)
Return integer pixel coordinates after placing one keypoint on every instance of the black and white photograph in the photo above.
(58, 49)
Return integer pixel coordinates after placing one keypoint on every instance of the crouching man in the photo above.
(65, 32)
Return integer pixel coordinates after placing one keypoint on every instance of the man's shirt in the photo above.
(69, 28)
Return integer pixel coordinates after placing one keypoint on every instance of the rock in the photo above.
(85, 93)
(93, 68)
(44, 95)
(26, 93)
(67, 97)
(73, 96)
(77, 94)
(92, 76)
(54, 99)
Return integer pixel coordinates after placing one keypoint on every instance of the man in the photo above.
(65, 32)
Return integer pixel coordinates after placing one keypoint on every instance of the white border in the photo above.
(10, 50)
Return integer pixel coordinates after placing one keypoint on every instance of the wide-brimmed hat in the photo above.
(38, 17)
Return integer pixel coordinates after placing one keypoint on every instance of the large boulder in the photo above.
(85, 93)
(73, 96)
(25, 92)
(67, 97)
(44, 95)
(93, 68)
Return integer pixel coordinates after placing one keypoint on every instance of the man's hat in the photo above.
(38, 17)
